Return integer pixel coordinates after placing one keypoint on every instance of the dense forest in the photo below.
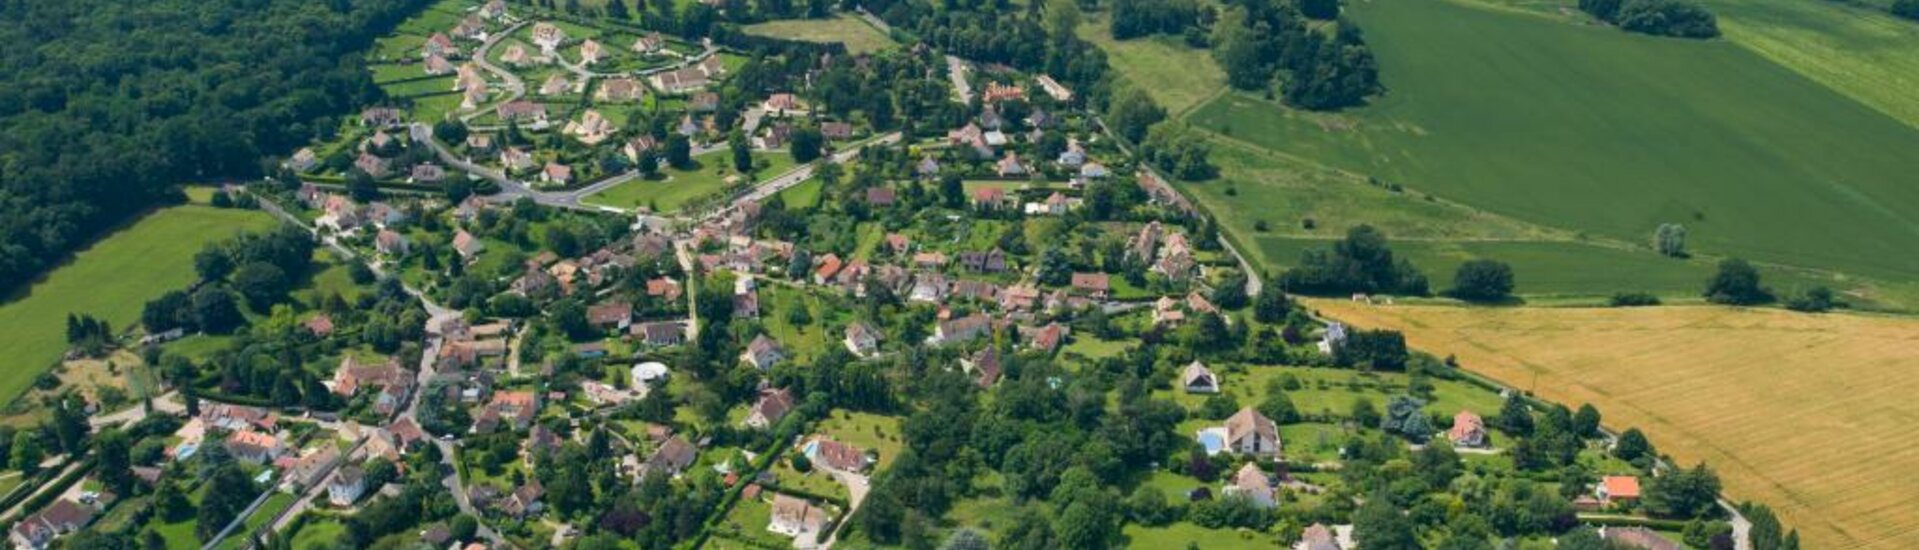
(106, 106)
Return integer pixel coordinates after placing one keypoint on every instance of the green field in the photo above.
(680, 187)
(1178, 77)
(858, 36)
(111, 280)
(1608, 134)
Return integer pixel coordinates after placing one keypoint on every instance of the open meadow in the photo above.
(858, 36)
(1178, 77)
(111, 281)
(1587, 130)
(1810, 414)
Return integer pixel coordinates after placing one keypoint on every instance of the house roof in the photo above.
(1620, 486)
(774, 404)
(1248, 421)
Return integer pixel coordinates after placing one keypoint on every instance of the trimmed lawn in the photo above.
(1178, 535)
(111, 280)
(804, 196)
(319, 533)
(858, 37)
(680, 187)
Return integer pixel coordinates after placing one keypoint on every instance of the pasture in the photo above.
(1178, 77)
(1806, 413)
(111, 280)
(1605, 133)
(858, 36)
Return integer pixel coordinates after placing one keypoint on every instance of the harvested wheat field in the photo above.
(1814, 415)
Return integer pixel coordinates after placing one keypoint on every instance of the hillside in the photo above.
(1804, 412)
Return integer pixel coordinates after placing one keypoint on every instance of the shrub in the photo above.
(1633, 299)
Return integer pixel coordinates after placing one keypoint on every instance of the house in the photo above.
(237, 417)
(320, 325)
(928, 287)
(992, 261)
(638, 146)
(1053, 88)
(645, 374)
(704, 102)
(989, 198)
(303, 160)
(255, 447)
(772, 406)
(928, 167)
(1617, 489)
(372, 164)
(795, 517)
(436, 66)
(590, 52)
(615, 314)
(996, 92)
(38, 530)
(346, 486)
(836, 130)
(1019, 297)
(494, 9)
(380, 117)
(620, 89)
(1095, 285)
(862, 339)
(1637, 537)
(881, 196)
(662, 333)
(439, 45)
(962, 329)
(515, 55)
(1317, 537)
(467, 245)
(780, 104)
(591, 128)
(1468, 430)
(679, 81)
(763, 353)
(1335, 336)
(981, 291)
(970, 136)
(776, 136)
(473, 27)
(898, 243)
(985, 365)
(672, 457)
(1199, 379)
(556, 174)
(834, 455)
(516, 408)
(521, 111)
(651, 43)
(1094, 170)
(711, 66)
(1010, 167)
(524, 501)
(1048, 338)
(827, 267)
(547, 36)
(1251, 433)
(1252, 483)
(427, 173)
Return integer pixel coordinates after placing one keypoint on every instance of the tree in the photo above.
(1633, 447)
(215, 311)
(1360, 263)
(952, 191)
(1483, 280)
(228, 492)
(1736, 283)
(260, 283)
(617, 9)
(742, 151)
(1818, 299)
(1324, 10)
(1908, 9)
(1271, 306)
(361, 187)
(1586, 421)
(1404, 417)
(965, 539)
(212, 263)
(805, 145)
(1086, 525)
(26, 454)
(113, 461)
(1131, 112)
(1683, 493)
(1378, 525)
(1515, 416)
(679, 152)
(1054, 268)
(1670, 240)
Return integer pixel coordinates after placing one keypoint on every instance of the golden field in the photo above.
(1814, 415)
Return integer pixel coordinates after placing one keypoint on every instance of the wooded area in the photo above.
(105, 107)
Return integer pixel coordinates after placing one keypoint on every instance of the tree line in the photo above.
(106, 106)
(1676, 18)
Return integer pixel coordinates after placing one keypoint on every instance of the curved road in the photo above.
(516, 87)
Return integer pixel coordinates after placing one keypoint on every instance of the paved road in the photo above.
(168, 403)
(516, 87)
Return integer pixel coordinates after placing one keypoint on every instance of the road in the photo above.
(956, 72)
(168, 403)
(796, 176)
(1253, 283)
(516, 87)
(437, 316)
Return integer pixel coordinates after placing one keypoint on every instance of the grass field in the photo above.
(856, 35)
(680, 187)
(1178, 77)
(1609, 134)
(1810, 414)
(111, 280)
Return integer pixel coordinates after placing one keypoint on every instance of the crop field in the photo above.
(1591, 130)
(1810, 414)
(111, 281)
(858, 36)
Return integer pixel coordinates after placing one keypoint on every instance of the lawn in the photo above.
(1783, 405)
(679, 187)
(803, 196)
(111, 280)
(1179, 535)
(319, 532)
(1607, 133)
(858, 37)
(275, 504)
(1178, 77)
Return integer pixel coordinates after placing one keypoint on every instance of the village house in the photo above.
(962, 329)
(556, 174)
(1334, 337)
(1246, 432)
(1053, 88)
(320, 326)
(1198, 379)
(439, 45)
(970, 136)
(1252, 483)
(237, 417)
(652, 42)
(781, 104)
(467, 245)
(992, 261)
(679, 81)
(524, 501)
(494, 9)
(590, 52)
(833, 455)
(620, 89)
(1010, 167)
(927, 168)
(795, 517)
(346, 486)
(704, 102)
(771, 407)
(1617, 490)
(1094, 285)
(996, 92)
(473, 27)
(825, 268)
(837, 131)
(672, 457)
(427, 173)
(255, 447)
(979, 291)
(1637, 537)
(515, 408)
(548, 37)
(711, 66)
(989, 198)
(985, 366)
(436, 65)
(37, 531)
(522, 111)
(763, 353)
(1047, 338)
(1317, 537)
(882, 197)
(610, 315)
(662, 333)
(1468, 430)
(382, 117)
(862, 339)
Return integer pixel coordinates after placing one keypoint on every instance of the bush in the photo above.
(1633, 299)
(1676, 18)
(1483, 281)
